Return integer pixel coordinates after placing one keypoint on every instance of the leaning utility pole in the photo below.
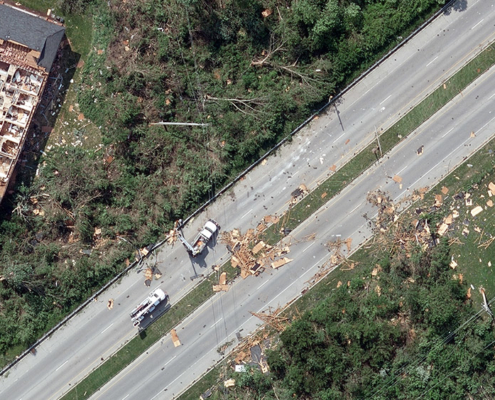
(378, 140)
(486, 306)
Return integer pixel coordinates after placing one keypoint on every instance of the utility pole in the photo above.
(486, 306)
(138, 250)
(378, 141)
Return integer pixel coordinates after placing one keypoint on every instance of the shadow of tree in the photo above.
(459, 5)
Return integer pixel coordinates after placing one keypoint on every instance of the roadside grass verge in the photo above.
(388, 140)
(298, 214)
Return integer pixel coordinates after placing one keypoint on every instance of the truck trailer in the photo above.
(147, 305)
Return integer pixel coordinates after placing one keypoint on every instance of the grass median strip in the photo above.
(390, 138)
(306, 207)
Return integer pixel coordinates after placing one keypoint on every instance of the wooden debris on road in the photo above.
(322, 272)
(148, 273)
(281, 262)
(348, 243)
(249, 254)
(221, 288)
(172, 234)
(110, 304)
(273, 319)
(175, 338)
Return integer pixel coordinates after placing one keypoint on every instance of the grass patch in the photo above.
(388, 140)
(474, 252)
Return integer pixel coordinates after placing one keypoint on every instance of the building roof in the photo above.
(31, 31)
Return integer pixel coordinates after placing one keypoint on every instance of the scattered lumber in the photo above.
(175, 338)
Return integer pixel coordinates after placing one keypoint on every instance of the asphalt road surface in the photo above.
(378, 100)
(165, 371)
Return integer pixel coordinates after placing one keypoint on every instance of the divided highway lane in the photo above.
(164, 371)
(97, 332)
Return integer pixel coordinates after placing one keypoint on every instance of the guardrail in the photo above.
(70, 316)
(228, 186)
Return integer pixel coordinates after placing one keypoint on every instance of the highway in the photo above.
(165, 371)
(378, 100)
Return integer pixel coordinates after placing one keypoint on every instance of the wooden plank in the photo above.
(175, 338)
(258, 247)
(281, 262)
(221, 288)
(475, 211)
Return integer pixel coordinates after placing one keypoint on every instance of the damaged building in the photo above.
(28, 46)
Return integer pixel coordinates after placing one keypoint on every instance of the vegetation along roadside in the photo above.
(252, 70)
(436, 101)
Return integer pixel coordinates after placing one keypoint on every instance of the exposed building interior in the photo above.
(28, 46)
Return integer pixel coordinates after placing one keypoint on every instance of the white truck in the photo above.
(201, 239)
(147, 305)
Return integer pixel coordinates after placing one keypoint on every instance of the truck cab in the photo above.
(209, 229)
